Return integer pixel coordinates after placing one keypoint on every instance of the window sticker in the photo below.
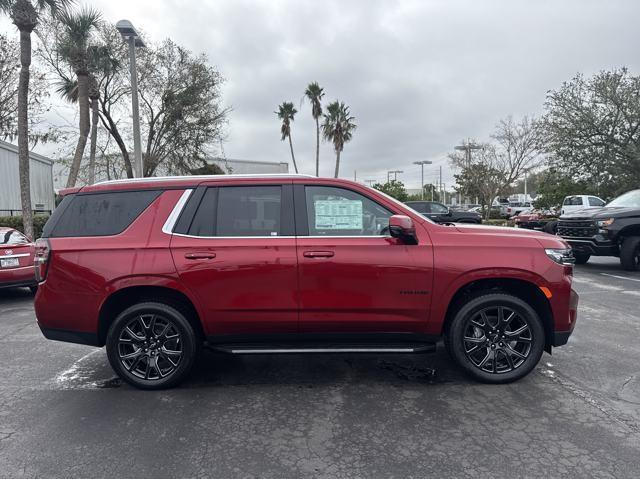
(338, 214)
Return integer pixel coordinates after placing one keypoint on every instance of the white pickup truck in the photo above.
(580, 202)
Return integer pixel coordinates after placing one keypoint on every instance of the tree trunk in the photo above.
(337, 164)
(94, 139)
(317, 148)
(83, 105)
(23, 133)
(295, 167)
(112, 128)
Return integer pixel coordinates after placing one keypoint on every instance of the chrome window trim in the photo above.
(168, 226)
(273, 237)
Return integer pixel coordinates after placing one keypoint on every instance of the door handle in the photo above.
(318, 254)
(200, 255)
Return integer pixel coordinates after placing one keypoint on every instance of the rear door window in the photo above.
(101, 214)
(233, 211)
(593, 201)
(573, 201)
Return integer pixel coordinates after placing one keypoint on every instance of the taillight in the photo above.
(41, 259)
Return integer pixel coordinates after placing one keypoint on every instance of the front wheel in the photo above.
(151, 346)
(496, 338)
(630, 253)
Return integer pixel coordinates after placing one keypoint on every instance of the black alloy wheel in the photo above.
(496, 338)
(151, 346)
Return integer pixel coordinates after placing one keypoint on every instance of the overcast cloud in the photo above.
(419, 76)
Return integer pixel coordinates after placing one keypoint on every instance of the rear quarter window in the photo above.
(99, 214)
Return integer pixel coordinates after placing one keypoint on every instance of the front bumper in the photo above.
(593, 247)
(560, 338)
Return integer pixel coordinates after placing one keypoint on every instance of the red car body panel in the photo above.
(295, 284)
(24, 273)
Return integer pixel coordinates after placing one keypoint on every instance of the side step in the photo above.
(322, 348)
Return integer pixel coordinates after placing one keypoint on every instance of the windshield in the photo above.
(630, 199)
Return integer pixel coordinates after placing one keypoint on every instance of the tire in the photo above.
(486, 355)
(158, 349)
(630, 253)
(34, 288)
(551, 227)
(581, 258)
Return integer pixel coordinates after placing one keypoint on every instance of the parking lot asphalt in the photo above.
(64, 414)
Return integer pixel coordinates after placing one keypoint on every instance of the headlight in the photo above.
(561, 256)
(606, 222)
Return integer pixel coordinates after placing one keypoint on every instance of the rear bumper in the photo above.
(66, 336)
(17, 277)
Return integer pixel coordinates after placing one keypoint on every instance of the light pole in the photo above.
(422, 163)
(131, 36)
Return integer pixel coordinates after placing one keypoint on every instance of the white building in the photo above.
(248, 167)
(40, 173)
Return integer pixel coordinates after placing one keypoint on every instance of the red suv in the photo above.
(155, 268)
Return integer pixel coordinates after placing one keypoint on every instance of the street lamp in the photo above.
(422, 163)
(467, 147)
(131, 36)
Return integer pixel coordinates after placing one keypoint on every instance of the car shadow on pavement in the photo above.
(218, 369)
(15, 293)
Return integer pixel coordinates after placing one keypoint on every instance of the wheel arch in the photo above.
(122, 298)
(523, 289)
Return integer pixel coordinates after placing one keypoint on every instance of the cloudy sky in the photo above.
(419, 76)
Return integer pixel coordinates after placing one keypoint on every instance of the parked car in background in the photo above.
(443, 214)
(612, 230)
(16, 260)
(537, 219)
(292, 263)
(579, 202)
(514, 208)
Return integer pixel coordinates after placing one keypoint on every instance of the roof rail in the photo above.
(203, 177)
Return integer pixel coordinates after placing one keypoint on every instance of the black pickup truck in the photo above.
(613, 230)
(443, 214)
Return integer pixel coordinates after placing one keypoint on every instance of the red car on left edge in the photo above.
(16, 260)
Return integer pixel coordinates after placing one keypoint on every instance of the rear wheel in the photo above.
(581, 258)
(496, 338)
(630, 253)
(151, 346)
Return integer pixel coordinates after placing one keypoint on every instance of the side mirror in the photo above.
(402, 227)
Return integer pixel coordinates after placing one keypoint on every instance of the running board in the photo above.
(240, 348)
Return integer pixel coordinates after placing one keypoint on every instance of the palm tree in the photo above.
(78, 27)
(24, 15)
(286, 112)
(338, 127)
(314, 94)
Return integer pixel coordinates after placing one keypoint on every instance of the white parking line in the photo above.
(620, 277)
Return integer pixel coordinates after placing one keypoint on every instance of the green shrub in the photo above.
(16, 222)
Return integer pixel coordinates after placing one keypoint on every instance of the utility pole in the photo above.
(440, 183)
(395, 174)
(422, 163)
